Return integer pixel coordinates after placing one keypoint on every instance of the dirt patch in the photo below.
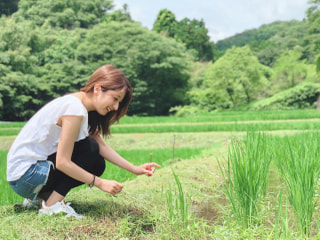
(198, 180)
(208, 211)
(103, 227)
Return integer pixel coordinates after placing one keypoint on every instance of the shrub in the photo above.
(301, 96)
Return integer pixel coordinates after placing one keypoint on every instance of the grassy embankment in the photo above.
(185, 199)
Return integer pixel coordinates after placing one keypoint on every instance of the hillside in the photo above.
(272, 39)
(290, 29)
(258, 64)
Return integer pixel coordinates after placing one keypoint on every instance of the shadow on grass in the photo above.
(18, 208)
(106, 213)
(101, 209)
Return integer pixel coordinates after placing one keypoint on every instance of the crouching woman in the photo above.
(60, 147)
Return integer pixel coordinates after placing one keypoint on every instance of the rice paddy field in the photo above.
(224, 175)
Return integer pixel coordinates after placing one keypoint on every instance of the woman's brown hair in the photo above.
(110, 78)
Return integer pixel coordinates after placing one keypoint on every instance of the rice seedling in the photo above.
(178, 203)
(246, 176)
(281, 222)
(297, 159)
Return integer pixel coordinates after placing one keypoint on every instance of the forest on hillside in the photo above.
(49, 48)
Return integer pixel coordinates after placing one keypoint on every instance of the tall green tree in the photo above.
(288, 71)
(46, 52)
(194, 35)
(236, 78)
(65, 14)
(313, 12)
(120, 15)
(165, 23)
(21, 91)
(312, 40)
(156, 65)
(15, 45)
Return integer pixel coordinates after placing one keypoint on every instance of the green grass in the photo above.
(9, 131)
(224, 116)
(137, 157)
(146, 210)
(7, 195)
(215, 121)
(205, 127)
(12, 124)
(140, 156)
(234, 127)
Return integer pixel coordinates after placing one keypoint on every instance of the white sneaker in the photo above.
(31, 204)
(58, 208)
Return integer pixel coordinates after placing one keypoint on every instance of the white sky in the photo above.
(223, 18)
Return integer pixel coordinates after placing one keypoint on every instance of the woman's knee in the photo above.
(86, 148)
(87, 155)
(98, 161)
(99, 166)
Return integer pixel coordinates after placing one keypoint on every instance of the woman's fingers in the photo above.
(111, 187)
(116, 188)
(154, 165)
(150, 168)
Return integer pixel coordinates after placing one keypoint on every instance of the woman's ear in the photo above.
(96, 88)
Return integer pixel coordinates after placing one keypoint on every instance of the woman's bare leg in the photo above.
(54, 198)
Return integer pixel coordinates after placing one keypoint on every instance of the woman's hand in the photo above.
(147, 168)
(109, 154)
(109, 186)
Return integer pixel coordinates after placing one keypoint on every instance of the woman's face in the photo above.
(108, 100)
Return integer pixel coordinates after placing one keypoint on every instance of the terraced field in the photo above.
(203, 138)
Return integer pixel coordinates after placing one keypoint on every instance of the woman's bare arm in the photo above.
(70, 126)
(112, 156)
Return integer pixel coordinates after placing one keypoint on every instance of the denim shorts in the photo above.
(30, 184)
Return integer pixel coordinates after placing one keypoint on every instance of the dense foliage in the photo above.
(192, 33)
(287, 54)
(269, 41)
(302, 96)
(49, 48)
(155, 65)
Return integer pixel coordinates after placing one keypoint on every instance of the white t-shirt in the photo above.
(40, 136)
